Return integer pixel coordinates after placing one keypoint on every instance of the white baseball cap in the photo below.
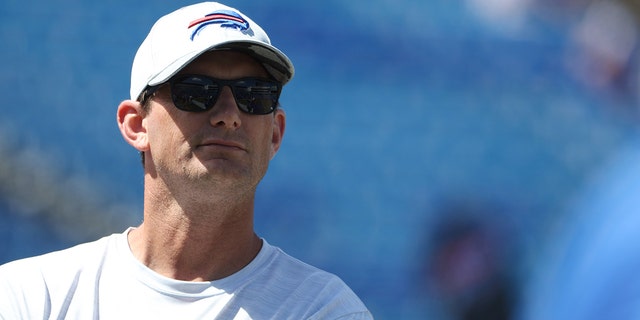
(178, 38)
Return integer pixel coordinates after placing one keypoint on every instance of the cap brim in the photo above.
(275, 61)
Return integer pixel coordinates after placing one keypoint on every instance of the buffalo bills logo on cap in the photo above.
(224, 18)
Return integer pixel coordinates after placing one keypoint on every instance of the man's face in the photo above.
(223, 147)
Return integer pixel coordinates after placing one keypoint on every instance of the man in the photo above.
(204, 114)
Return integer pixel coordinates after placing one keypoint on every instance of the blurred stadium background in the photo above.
(435, 150)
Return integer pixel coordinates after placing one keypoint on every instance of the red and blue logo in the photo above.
(224, 18)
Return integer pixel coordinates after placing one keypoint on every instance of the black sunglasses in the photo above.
(198, 93)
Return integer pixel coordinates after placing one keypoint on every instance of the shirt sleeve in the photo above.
(8, 294)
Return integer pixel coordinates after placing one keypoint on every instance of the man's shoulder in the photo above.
(57, 262)
(282, 265)
(324, 294)
(30, 287)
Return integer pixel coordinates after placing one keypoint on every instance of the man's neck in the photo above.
(195, 244)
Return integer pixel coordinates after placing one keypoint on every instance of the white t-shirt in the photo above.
(103, 280)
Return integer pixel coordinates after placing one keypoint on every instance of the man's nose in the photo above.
(225, 112)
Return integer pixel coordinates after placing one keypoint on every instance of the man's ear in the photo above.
(131, 121)
(279, 124)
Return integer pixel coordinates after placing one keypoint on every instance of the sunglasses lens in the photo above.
(194, 94)
(199, 93)
(256, 96)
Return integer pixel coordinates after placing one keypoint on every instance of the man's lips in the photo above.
(222, 144)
